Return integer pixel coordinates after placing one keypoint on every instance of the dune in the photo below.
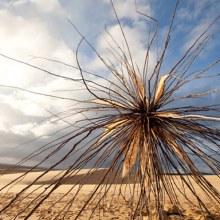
(112, 207)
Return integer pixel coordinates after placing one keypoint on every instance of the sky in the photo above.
(30, 29)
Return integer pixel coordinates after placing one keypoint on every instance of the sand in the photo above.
(113, 206)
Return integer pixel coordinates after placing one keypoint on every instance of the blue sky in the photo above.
(32, 28)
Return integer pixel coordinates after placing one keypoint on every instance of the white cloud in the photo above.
(136, 37)
(192, 10)
(25, 105)
(30, 28)
(194, 18)
(22, 129)
(127, 9)
(23, 37)
(2, 127)
(51, 5)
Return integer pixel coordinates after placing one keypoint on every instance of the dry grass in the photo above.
(139, 129)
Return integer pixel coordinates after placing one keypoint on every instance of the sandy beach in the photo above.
(115, 205)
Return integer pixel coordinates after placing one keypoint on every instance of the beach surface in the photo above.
(72, 196)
